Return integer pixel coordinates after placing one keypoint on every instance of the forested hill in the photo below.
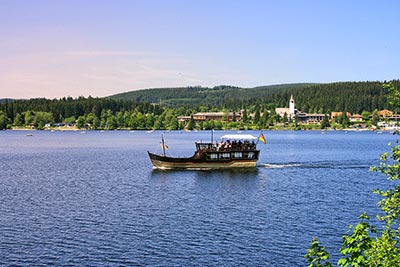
(193, 96)
(354, 97)
(4, 100)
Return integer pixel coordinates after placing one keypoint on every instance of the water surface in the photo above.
(93, 199)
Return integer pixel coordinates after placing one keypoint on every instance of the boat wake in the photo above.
(281, 166)
(318, 165)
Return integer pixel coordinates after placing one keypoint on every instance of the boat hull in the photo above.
(162, 162)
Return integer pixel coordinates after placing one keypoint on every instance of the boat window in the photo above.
(250, 155)
(213, 156)
(201, 146)
(237, 155)
(224, 156)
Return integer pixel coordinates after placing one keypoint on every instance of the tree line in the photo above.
(122, 113)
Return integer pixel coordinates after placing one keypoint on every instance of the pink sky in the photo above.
(79, 48)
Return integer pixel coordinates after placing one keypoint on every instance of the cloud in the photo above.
(96, 73)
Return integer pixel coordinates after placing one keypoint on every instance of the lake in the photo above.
(93, 199)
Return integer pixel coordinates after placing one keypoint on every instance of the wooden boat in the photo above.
(234, 151)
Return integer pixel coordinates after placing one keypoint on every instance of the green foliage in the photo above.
(71, 119)
(375, 117)
(354, 97)
(43, 118)
(365, 115)
(111, 123)
(190, 125)
(325, 122)
(345, 120)
(317, 256)
(18, 120)
(69, 107)
(28, 117)
(356, 245)
(256, 117)
(386, 248)
(144, 110)
(394, 95)
(80, 122)
(92, 121)
(384, 251)
(3, 120)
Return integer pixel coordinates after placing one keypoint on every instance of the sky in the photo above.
(59, 48)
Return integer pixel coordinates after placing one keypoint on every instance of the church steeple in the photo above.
(291, 105)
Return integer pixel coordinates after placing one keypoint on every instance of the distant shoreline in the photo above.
(49, 129)
(62, 129)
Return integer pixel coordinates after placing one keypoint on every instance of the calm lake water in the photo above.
(93, 199)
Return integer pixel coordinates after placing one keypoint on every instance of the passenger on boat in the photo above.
(227, 144)
(234, 144)
(252, 145)
(220, 145)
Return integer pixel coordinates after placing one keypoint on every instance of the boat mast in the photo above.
(212, 136)
(163, 144)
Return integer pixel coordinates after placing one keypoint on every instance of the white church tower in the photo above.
(291, 106)
(288, 112)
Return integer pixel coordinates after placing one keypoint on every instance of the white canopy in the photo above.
(239, 137)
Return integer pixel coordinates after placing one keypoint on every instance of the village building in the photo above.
(310, 117)
(183, 118)
(291, 112)
(389, 116)
(395, 117)
(215, 116)
(356, 118)
(391, 121)
(385, 113)
(336, 114)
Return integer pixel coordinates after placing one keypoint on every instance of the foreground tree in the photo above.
(317, 256)
(368, 245)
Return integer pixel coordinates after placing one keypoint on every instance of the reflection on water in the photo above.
(238, 172)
